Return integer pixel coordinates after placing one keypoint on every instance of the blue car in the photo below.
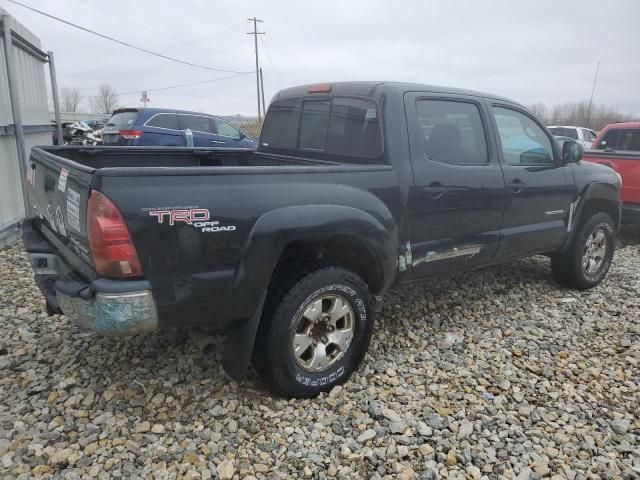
(160, 127)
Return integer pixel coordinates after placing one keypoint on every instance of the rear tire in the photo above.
(586, 262)
(314, 333)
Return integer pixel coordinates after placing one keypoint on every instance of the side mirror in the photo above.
(571, 151)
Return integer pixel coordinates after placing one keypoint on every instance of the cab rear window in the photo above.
(326, 128)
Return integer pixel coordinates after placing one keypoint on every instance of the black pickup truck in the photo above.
(355, 186)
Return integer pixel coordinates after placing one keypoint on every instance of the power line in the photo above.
(219, 11)
(125, 43)
(273, 67)
(156, 32)
(198, 13)
(179, 86)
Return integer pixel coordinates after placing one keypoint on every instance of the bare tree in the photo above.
(70, 99)
(106, 100)
(539, 110)
(578, 114)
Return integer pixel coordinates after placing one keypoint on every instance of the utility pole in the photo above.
(264, 107)
(255, 34)
(591, 99)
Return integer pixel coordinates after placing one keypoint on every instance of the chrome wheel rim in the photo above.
(323, 333)
(595, 251)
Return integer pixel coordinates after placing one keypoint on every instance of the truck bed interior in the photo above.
(105, 157)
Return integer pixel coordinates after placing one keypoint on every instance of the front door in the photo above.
(457, 197)
(540, 188)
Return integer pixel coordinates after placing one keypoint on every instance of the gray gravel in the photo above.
(492, 374)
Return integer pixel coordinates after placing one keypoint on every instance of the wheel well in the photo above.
(342, 250)
(599, 205)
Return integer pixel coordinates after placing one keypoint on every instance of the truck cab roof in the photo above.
(374, 88)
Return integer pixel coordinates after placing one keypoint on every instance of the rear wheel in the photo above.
(315, 333)
(585, 264)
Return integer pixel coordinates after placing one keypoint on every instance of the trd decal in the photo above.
(187, 216)
(199, 218)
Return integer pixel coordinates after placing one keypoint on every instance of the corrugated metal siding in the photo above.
(32, 91)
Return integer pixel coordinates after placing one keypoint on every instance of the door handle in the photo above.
(435, 190)
(517, 185)
(218, 142)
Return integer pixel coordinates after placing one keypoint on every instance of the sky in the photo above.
(530, 51)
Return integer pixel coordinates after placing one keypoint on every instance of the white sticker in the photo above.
(73, 209)
(60, 221)
(51, 218)
(62, 180)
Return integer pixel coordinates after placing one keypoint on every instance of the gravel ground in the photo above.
(492, 374)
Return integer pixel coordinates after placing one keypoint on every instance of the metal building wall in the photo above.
(32, 92)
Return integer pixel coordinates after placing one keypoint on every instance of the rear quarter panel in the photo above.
(191, 269)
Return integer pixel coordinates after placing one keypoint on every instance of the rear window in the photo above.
(326, 128)
(564, 132)
(121, 119)
(314, 125)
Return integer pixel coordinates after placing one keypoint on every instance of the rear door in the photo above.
(122, 120)
(540, 188)
(202, 128)
(162, 129)
(457, 198)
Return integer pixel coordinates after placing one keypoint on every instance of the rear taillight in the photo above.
(130, 134)
(114, 254)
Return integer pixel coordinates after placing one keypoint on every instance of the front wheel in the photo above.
(585, 264)
(315, 333)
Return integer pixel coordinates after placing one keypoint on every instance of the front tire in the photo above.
(586, 262)
(314, 334)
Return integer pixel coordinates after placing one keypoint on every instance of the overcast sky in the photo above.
(531, 51)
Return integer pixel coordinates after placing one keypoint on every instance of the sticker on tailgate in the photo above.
(62, 180)
(73, 209)
(60, 221)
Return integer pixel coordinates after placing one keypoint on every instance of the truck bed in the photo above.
(95, 158)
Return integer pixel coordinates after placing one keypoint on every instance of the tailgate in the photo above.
(57, 193)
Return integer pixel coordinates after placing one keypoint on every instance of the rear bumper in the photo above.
(109, 307)
(630, 213)
(118, 314)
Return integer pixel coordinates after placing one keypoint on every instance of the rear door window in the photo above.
(164, 120)
(196, 123)
(452, 132)
(124, 119)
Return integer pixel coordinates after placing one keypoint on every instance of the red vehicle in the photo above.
(618, 146)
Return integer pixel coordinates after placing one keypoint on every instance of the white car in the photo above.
(584, 136)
